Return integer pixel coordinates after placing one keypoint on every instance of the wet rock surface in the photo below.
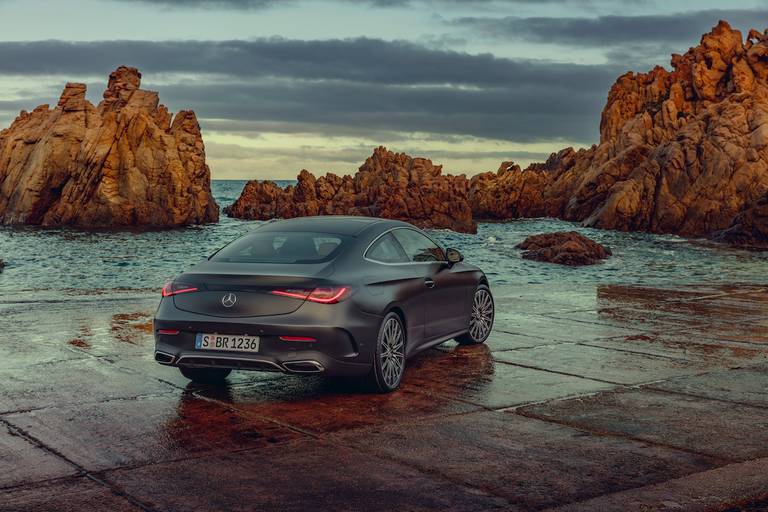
(565, 248)
(587, 398)
(125, 162)
(389, 185)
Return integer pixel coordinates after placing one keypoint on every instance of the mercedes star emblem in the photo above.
(229, 300)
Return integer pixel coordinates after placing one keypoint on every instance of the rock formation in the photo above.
(682, 151)
(389, 185)
(564, 248)
(125, 162)
(750, 227)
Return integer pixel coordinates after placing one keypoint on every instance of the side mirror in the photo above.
(453, 256)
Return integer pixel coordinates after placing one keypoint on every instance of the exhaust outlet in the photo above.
(163, 357)
(303, 366)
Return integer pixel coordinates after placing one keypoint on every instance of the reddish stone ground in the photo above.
(607, 398)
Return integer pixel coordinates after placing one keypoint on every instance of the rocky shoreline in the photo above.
(682, 152)
(390, 185)
(125, 162)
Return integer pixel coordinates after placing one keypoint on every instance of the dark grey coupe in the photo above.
(346, 296)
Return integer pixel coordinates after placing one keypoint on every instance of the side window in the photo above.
(417, 246)
(387, 250)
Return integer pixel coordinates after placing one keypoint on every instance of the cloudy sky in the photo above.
(281, 85)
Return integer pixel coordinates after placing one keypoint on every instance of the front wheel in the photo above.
(389, 356)
(205, 375)
(481, 319)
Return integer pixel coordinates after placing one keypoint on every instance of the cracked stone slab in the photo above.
(107, 435)
(733, 487)
(726, 430)
(601, 363)
(532, 463)
(24, 462)
(21, 354)
(65, 495)
(470, 374)
(71, 382)
(683, 345)
(500, 340)
(550, 328)
(320, 405)
(314, 476)
(744, 385)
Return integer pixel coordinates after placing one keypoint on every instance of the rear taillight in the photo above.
(174, 288)
(322, 294)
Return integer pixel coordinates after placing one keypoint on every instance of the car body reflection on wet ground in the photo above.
(584, 398)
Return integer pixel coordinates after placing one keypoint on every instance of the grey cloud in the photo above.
(527, 114)
(605, 31)
(338, 86)
(360, 60)
(386, 4)
(214, 4)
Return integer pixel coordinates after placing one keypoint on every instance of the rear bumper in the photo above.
(344, 336)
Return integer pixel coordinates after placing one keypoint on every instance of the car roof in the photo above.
(338, 224)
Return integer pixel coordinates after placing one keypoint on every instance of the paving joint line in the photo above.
(83, 472)
(722, 461)
(703, 397)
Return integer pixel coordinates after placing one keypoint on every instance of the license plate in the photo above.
(227, 342)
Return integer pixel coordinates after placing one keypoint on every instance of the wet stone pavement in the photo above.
(584, 398)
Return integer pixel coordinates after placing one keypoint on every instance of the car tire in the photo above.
(481, 318)
(205, 375)
(389, 356)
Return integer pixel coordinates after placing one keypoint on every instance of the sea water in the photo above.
(51, 259)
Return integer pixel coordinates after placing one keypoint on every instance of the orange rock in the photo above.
(750, 227)
(564, 247)
(389, 185)
(680, 152)
(122, 163)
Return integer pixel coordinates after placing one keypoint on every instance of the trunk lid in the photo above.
(234, 290)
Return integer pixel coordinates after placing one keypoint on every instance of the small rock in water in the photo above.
(2, 264)
(564, 248)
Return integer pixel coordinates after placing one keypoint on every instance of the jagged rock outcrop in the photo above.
(682, 151)
(125, 162)
(389, 185)
(564, 248)
(749, 228)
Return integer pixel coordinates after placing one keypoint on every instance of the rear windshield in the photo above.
(283, 247)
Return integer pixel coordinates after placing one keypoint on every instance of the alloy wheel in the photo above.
(392, 352)
(481, 321)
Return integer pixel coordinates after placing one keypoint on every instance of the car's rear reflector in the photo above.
(170, 332)
(297, 338)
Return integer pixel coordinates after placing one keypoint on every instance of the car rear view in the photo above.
(267, 301)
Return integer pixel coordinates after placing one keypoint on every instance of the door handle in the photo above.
(429, 283)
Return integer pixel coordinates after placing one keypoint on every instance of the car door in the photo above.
(400, 281)
(444, 287)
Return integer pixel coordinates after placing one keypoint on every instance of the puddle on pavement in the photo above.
(131, 328)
